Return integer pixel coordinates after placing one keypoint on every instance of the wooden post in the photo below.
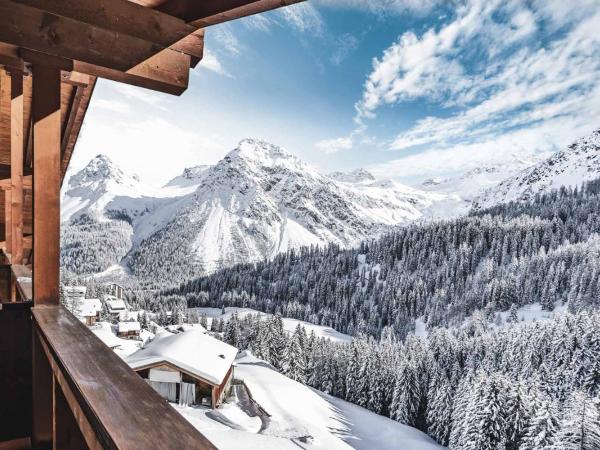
(46, 184)
(5, 90)
(7, 222)
(16, 165)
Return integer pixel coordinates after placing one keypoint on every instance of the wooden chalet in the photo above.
(60, 386)
(189, 367)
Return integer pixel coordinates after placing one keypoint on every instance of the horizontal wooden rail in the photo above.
(22, 279)
(112, 407)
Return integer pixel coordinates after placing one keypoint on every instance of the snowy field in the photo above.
(528, 313)
(288, 324)
(299, 417)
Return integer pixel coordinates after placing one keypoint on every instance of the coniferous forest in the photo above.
(525, 387)
(471, 384)
(546, 251)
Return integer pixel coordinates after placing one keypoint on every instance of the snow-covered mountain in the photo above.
(355, 176)
(463, 189)
(257, 201)
(572, 166)
(91, 189)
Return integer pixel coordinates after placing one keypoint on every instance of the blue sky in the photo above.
(405, 88)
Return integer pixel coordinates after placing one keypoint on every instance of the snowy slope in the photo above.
(289, 325)
(464, 188)
(569, 167)
(301, 417)
(257, 201)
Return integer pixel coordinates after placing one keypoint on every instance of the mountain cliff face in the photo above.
(569, 167)
(253, 204)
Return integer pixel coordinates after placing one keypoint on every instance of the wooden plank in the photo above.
(123, 410)
(251, 8)
(43, 32)
(121, 16)
(69, 138)
(167, 71)
(190, 10)
(4, 120)
(8, 222)
(22, 278)
(16, 157)
(66, 432)
(46, 184)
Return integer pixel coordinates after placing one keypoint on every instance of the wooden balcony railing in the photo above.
(64, 389)
(85, 396)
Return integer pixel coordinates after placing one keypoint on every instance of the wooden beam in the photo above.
(46, 184)
(8, 222)
(121, 16)
(69, 138)
(17, 138)
(248, 9)
(167, 71)
(67, 38)
(190, 10)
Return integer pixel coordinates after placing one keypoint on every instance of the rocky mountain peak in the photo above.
(354, 176)
(101, 169)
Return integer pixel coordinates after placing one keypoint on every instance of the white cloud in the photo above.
(384, 6)
(130, 143)
(345, 45)
(500, 87)
(111, 105)
(304, 17)
(149, 98)
(258, 22)
(541, 139)
(335, 145)
(212, 63)
(224, 37)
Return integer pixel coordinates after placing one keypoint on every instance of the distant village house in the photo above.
(90, 311)
(128, 330)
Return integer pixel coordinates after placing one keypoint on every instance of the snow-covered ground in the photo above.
(299, 417)
(527, 313)
(288, 324)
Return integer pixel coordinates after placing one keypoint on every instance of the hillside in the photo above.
(578, 163)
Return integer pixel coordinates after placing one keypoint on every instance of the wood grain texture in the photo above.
(121, 16)
(124, 411)
(17, 138)
(46, 184)
(249, 9)
(71, 39)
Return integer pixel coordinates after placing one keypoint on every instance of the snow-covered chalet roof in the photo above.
(192, 351)
(125, 327)
(116, 305)
(90, 307)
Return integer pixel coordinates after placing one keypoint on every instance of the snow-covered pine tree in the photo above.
(542, 427)
(580, 424)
